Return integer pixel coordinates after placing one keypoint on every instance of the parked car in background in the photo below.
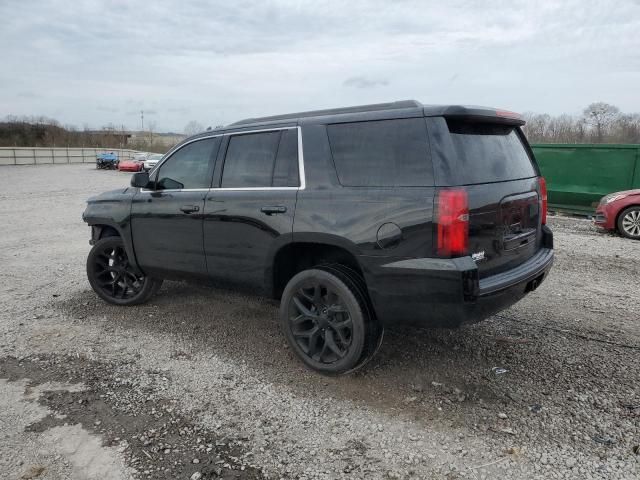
(141, 156)
(152, 160)
(107, 160)
(620, 211)
(130, 166)
(356, 219)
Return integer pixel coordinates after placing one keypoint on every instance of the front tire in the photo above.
(629, 223)
(113, 278)
(326, 321)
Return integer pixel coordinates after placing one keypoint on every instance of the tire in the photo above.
(113, 279)
(326, 320)
(629, 223)
(375, 330)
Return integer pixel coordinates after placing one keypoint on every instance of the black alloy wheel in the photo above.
(113, 278)
(325, 320)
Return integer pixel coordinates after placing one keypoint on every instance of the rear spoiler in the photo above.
(475, 114)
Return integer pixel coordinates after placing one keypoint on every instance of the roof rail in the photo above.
(334, 111)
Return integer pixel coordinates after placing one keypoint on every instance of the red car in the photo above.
(620, 211)
(130, 166)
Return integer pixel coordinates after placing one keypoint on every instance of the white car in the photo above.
(140, 156)
(152, 160)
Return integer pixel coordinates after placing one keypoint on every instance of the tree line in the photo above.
(40, 131)
(599, 123)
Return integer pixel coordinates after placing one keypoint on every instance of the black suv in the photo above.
(355, 218)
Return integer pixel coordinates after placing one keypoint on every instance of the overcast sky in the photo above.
(92, 62)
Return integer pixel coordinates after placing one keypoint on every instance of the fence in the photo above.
(43, 155)
(579, 175)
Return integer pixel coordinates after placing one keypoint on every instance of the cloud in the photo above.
(364, 82)
(216, 61)
(29, 95)
(104, 108)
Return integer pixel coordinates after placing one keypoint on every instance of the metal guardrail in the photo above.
(50, 155)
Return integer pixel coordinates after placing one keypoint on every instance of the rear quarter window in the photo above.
(382, 153)
(489, 153)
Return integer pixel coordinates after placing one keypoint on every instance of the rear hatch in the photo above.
(495, 166)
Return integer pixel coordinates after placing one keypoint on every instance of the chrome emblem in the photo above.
(478, 256)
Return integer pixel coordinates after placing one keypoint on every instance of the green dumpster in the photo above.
(578, 175)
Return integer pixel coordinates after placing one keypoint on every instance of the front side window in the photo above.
(382, 153)
(188, 167)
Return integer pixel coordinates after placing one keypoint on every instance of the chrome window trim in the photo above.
(301, 172)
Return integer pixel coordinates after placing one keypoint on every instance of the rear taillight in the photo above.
(543, 199)
(453, 222)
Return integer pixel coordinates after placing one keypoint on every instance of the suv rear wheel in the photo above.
(629, 223)
(113, 278)
(326, 319)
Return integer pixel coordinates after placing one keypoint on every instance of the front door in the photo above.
(166, 220)
(250, 213)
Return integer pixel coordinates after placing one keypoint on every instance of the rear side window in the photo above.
(489, 153)
(383, 153)
(250, 159)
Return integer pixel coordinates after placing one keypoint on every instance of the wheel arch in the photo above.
(101, 228)
(305, 251)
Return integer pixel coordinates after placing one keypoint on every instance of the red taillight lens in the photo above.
(453, 222)
(543, 199)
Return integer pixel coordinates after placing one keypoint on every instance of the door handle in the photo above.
(190, 208)
(271, 210)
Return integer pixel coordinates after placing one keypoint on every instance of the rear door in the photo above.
(249, 213)
(494, 164)
(166, 222)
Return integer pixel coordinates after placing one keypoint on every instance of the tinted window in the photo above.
(489, 153)
(250, 159)
(188, 167)
(385, 153)
(285, 171)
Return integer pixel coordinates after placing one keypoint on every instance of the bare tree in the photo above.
(152, 129)
(600, 115)
(192, 128)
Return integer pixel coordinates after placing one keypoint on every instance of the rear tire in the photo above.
(326, 320)
(113, 278)
(375, 330)
(629, 223)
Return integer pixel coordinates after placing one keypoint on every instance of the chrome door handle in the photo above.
(190, 208)
(271, 210)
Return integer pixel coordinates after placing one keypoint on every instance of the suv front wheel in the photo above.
(326, 319)
(113, 278)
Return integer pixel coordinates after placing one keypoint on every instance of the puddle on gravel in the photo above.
(93, 413)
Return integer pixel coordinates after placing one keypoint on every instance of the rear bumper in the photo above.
(432, 292)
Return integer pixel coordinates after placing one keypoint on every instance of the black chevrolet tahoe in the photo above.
(356, 219)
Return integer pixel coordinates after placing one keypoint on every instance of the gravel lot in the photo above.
(198, 383)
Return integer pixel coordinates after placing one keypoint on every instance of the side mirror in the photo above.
(140, 180)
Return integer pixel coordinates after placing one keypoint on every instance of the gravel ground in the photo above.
(199, 384)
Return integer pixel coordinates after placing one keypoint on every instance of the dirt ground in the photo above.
(198, 383)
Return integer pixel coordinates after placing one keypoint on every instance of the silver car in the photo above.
(152, 161)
